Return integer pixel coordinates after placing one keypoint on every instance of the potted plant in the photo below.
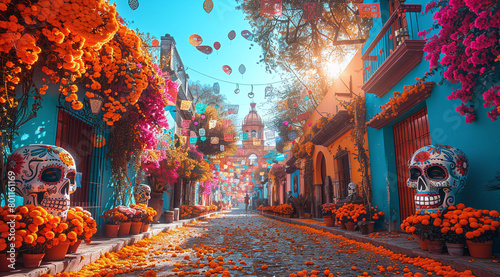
(300, 203)
(367, 224)
(148, 218)
(328, 212)
(89, 227)
(39, 231)
(112, 219)
(140, 212)
(350, 214)
(427, 227)
(480, 227)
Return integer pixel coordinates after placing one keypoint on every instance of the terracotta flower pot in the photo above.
(135, 228)
(342, 226)
(435, 246)
(371, 226)
(350, 226)
(156, 202)
(136, 219)
(481, 250)
(124, 228)
(328, 221)
(455, 249)
(423, 244)
(145, 227)
(111, 230)
(58, 252)
(73, 248)
(169, 216)
(7, 259)
(32, 260)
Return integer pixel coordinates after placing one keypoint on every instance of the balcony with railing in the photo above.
(395, 51)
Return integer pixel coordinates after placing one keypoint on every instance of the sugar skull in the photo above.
(44, 176)
(438, 173)
(142, 194)
(352, 189)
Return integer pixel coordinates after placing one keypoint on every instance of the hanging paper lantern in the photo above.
(217, 45)
(195, 40)
(251, 94)
(98, 140)
(310, 92)
(231, 35)
(155, 43)
(309, 124)
(242, 69)
(205, 49)
(216, 88)
(208, 5)
(227, 69)
(133, 4)
(247, 35)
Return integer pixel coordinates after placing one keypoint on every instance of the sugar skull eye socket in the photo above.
(415, 173)
(51, 175)
(436, 173)
(71, 176)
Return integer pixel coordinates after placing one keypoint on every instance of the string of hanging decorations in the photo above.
(238, 84)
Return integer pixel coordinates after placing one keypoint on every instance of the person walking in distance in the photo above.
(247, 201)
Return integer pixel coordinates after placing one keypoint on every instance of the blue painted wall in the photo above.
(479, 140)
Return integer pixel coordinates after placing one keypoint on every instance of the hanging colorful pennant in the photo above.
(228, 136)
(193, 139)
(200, 108)
(257, 141)
(240, 152)
(183, 140)
(186, 123)
(270, 8)
(203, 138)
(233, 109)
(369, 10)
(226, 123)
(269, 134)
(201, 132)
(301, 117)
(222, 149)
(225, 166)
(185, 132)
(312, 11)
(185, 105)
(212, 124)
(282, 105)
(214, 140)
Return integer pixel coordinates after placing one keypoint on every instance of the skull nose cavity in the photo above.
(65, 188)
(422, 185)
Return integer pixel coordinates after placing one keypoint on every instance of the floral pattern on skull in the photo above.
(437, 173)
(44, 176)
(142, 194)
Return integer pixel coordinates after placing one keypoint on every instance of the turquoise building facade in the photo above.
(393, 59)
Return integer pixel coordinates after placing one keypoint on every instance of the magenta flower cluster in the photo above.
(467, 46)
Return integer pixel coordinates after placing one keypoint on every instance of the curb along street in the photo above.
(411, 248)
(90, 253)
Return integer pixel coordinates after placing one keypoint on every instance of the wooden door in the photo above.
(409, 135)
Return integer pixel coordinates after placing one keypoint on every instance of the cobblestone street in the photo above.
(251, 245)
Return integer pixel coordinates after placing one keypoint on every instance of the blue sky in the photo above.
(181, 19)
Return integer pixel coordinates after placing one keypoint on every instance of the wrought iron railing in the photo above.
(401, 26)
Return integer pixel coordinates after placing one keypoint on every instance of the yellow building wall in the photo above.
(329, 106)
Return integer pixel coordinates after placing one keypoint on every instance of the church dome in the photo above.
(252, 117)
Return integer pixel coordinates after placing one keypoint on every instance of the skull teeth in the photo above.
(427, 200)
(55, 204)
